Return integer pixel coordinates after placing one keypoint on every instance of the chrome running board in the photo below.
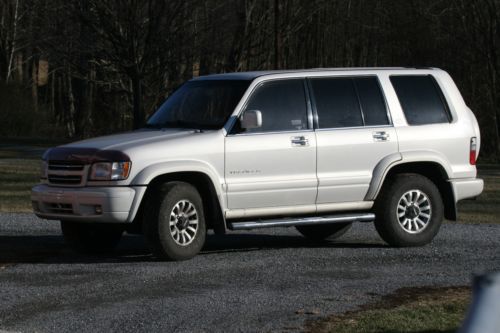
(271, 223)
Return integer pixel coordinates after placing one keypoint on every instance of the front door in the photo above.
(273, 168)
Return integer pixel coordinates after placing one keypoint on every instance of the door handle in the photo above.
(380, 136)
(299, 141)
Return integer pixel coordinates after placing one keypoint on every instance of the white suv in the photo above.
(315, 149)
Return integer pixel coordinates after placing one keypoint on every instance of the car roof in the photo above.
(255, 74)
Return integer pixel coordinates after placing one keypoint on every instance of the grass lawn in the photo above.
(411, 310)
(486, 209)
(19, 171)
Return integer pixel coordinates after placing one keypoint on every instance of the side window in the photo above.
(372, 101)
(336, 102)
(421, 99)
(282, 104)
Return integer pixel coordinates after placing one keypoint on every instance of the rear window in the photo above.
(421, 99)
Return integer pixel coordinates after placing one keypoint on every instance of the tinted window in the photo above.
(337, 103)
(372, 101)
(421, 99)
(203, 104)
(282, 104)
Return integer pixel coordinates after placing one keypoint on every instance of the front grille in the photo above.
(65, 166)
(66, 173)
(59, 208)
(65, 180)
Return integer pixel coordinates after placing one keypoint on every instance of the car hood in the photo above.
(124, 141)
(114, 146)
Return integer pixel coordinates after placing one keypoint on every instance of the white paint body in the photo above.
(259, 175)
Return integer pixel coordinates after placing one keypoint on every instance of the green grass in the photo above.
(410, 310)
(16, 179)
(486, 209)
(19, 171)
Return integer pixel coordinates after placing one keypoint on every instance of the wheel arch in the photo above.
(213, 200)
(438, 173)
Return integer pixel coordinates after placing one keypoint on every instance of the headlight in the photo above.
(43, 169)
(110, 170)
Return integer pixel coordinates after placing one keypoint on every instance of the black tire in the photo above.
(387, 221)
(324, 231)
(91, 238)
(164, 242)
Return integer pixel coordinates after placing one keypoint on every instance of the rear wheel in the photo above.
(324, 231)
(409, 211)
(91, 238)
(175, 223)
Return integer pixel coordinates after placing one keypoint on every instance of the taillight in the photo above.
(473, 151)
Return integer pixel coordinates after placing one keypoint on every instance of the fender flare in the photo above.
(387, 163)
(148, 174)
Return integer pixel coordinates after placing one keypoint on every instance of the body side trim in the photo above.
(298, 210)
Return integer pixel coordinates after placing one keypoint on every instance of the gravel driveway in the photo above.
(270, 280)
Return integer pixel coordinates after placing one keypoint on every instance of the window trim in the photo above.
(352, 78)
(439, 90)
(309, 109)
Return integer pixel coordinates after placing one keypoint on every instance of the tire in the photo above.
(419, 222)
(173, 212)
(91, 238)
(324, 231)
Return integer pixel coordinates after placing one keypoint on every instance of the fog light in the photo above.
(98, 210)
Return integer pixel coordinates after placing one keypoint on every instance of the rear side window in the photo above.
(282, 104)
(372, 101)
(421, 99)
(336, 102)
(349, 102)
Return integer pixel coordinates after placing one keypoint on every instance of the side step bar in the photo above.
(248, 225)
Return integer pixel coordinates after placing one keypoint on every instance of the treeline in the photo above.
(87, 67)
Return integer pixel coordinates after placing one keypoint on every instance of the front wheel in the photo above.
(91, 238)
(409, 211)
(174, 223)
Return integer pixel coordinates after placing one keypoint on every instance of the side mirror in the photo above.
(251, 119)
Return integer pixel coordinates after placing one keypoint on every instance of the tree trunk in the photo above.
(277, 36)
(138, 117)
(14, 42)
(70, 121)
(34, 84)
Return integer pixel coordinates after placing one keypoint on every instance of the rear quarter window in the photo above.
(421, 99)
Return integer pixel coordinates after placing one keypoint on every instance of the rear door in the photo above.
(275, 165)
(354, 133)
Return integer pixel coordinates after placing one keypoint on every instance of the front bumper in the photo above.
(467, 188)
(87, 204)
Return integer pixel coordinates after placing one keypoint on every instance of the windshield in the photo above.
(206, 104)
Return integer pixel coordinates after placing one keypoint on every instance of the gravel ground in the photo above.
(270, 280)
